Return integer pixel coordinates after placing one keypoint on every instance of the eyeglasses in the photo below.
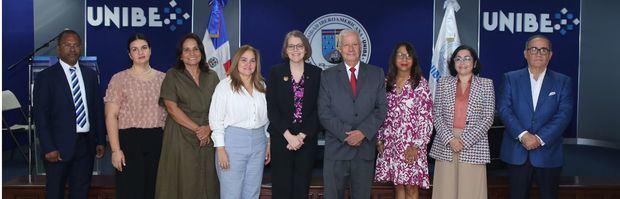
(403, 56)
(295, 47)
(463, 59)
(542, 51)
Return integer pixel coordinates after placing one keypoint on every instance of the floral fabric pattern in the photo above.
(298, 101)
(408, 124)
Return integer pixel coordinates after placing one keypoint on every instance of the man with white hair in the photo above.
(352, 106)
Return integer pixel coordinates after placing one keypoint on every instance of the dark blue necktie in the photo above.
(77, 98)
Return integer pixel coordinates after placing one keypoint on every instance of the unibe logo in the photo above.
(172, 16)
(562, 21)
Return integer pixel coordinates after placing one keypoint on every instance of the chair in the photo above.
(10, 102)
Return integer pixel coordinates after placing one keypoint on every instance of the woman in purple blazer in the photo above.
(463, 113)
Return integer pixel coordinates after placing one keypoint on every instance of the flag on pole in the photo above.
(447, 40)
(215, 41)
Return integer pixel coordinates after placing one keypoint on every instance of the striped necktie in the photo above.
(76, 91)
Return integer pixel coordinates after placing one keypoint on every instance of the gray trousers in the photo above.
(340, 174)
(246, 154)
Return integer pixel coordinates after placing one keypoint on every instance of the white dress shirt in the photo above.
(238, 109)
(65, 68)
(535, 86)
(357, 70)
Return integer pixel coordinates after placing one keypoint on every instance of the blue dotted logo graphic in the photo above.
(565, 21)
(174, 16)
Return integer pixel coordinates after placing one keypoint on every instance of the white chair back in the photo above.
(9, 101)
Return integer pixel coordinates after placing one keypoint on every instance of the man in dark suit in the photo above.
(536, 105)
(69, 120)
(352, 106)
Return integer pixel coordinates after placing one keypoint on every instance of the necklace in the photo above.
(194, 76)
(147, 71)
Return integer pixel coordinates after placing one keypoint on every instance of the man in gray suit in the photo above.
(352, 106)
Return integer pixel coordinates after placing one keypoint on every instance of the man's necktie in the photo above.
(353, 80)
(76, 91)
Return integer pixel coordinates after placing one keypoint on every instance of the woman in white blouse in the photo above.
(238, 118)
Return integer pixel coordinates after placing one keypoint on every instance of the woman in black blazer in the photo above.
(292, 91)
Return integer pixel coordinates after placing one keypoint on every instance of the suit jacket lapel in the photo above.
(87, 84)
(526, 89)
(66, 87)
(308, 82)
(287, 77)
(452, 97)
(344, 78)
(307, 73)
(361, 78)
(544, 90)
(473, 93)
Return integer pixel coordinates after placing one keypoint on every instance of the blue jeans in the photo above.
(246, 154)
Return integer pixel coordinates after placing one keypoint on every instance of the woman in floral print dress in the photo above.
(407, 129)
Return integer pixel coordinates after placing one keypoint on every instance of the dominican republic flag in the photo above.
(215, 40)
(447, 40)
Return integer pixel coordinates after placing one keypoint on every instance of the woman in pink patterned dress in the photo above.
(407, 129)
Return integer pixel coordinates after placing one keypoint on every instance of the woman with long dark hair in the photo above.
(187, 165)
(402, 139)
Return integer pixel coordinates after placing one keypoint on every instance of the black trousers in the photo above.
(141, 148)
(547, 179)
(291, 170)
(76, 172)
